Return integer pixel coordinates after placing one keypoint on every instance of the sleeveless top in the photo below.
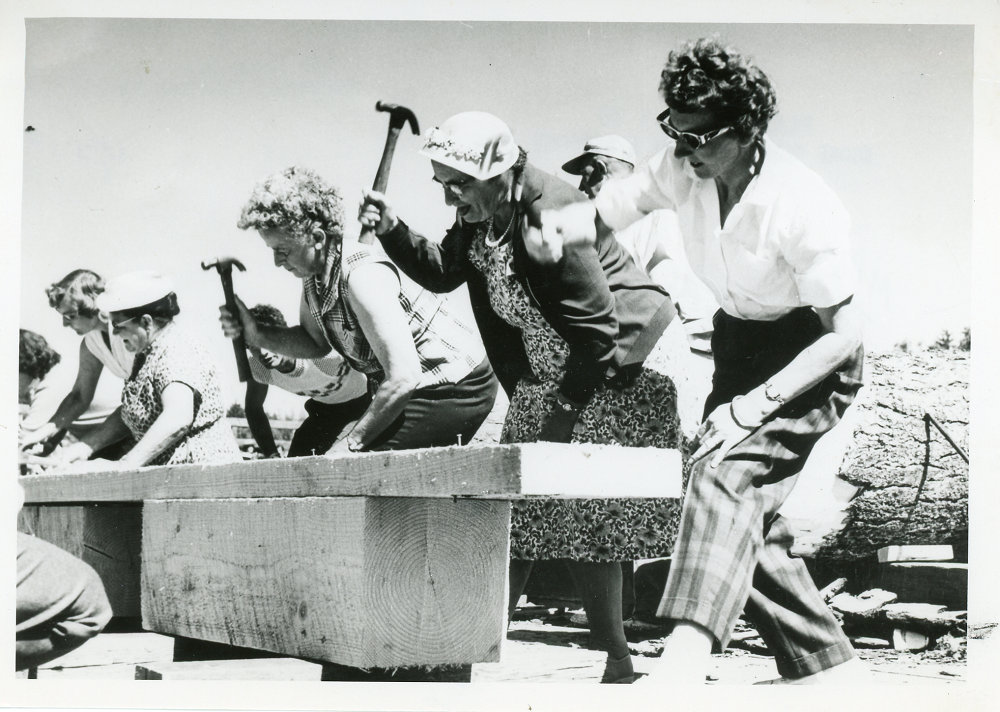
(448, 348)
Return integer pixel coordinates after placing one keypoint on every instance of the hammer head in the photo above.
(398, 115)
(224, 264)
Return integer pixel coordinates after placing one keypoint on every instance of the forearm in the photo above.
(812, 365)
(389, 401)
(110, 431)
(72, 407)
(166, 430)
(292, 341)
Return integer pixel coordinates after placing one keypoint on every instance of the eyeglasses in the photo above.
(116, 327)
(691, 140)
(458, 187)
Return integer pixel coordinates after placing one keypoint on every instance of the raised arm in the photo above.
(435, 267)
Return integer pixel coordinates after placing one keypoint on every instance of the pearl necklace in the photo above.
(489, 229)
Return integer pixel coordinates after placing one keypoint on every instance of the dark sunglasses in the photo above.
(691, 140)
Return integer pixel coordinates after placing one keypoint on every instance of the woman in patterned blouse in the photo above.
(171, 403)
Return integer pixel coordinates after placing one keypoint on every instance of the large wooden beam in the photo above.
(365, 582)
(105, 536)
(485, 471)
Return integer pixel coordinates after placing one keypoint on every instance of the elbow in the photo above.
(401, 384)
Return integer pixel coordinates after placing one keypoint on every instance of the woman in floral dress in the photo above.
(587, 350)
(171, 403)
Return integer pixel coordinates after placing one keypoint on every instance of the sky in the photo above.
(149, 135)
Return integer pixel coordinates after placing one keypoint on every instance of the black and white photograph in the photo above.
(439, 357)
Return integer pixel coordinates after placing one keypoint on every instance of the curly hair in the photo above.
(35, 357)
(296, 201)
(78, 289)
(268, 315)
(705, 75)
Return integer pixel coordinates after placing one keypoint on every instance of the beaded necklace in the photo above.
(488, 237)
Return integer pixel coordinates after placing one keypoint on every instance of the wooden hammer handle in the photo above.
(239, 343)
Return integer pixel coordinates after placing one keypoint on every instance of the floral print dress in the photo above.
(176, 356)
(643, 414)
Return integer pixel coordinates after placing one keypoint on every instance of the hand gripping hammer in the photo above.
(398, 117)
(224, 266)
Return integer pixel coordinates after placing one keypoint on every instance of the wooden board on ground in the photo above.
(487, 471)
(924, 582)
(365, 582)
(105, 536)
(271, 669)
(939, 552)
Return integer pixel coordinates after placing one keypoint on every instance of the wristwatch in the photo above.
(565, 404)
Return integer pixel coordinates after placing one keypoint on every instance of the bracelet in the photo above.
(773, 397)
(732, 414)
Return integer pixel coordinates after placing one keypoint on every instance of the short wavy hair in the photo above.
(296, 201)
(268, 315)
(78, 289)
(705, 75)
(35, 357)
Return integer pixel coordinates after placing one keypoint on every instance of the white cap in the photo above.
(473, 142)
(134, 289)
(612, 146)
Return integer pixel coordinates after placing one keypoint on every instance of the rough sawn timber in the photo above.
(487, 471)
(105, 536)
(380, 560)
(365, 582)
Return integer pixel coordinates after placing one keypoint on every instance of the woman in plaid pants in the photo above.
(770, 239)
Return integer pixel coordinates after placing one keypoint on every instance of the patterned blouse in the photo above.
(447, 347)
(175, 356)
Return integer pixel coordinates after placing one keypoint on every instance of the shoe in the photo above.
(618, 671)
(850, 672)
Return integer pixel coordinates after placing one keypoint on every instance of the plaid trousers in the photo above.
(732, 548)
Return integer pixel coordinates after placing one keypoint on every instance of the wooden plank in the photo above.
(253, 669)
(364, 582)
(105, 536)
(913, 552)
(924, 582)
(482, 471)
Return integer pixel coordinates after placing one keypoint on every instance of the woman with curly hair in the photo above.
(427, 373)
(73, 297)
(770, 239)
(588, 351)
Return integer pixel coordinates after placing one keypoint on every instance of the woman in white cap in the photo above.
(171, 402)
(73, 297)
(585, 350)
(428, 376)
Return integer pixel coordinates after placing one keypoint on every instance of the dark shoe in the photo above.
(618, 671)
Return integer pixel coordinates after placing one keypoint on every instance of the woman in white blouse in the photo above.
(770, 239)
(73, 297)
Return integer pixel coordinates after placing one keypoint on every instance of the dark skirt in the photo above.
(443, 414)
